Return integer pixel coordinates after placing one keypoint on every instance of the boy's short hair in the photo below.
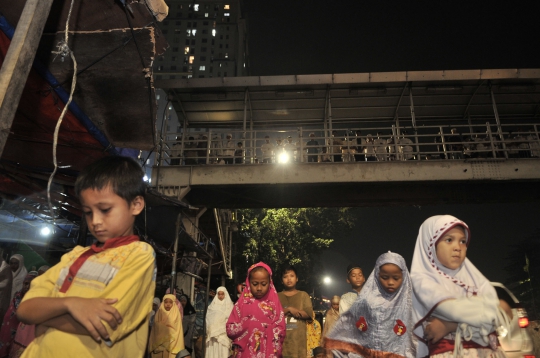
(289, 268)
(352, 267)
(123, 174)
(318, 350)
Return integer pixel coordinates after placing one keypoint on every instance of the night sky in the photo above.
(312, 37)
(315, 37)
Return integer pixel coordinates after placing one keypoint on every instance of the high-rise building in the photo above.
(207, 38)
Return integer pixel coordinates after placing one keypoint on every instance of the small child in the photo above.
(96, 301)
(355, 277)
(298, 310)
(167, 336)
(379, 322)
(257, 323)
(452, 300)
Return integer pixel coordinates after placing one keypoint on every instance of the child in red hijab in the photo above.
(257, 324)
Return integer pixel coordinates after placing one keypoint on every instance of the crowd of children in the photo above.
(97, 302)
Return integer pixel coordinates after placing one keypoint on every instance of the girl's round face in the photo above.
(221, 295)
(289, 279)
(451, 248)
(390, 277)
(335, 306)
(259, 283)
(167, 304)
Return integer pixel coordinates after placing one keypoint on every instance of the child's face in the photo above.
(167, 304)
(107, 214)
(221, 295)
(335, 306)
(14, 264)
(390, 277)
(356, 278)
(451, 248)
(259, 283)
(289, 279)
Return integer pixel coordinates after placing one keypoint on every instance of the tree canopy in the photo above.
(282, 237)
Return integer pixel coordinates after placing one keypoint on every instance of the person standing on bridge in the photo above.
(267, 150)
(335, 145)
(228, 149)
(312, 149)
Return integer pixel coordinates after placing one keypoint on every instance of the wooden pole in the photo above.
(18, 61)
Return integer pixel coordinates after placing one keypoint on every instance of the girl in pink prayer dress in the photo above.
(257, 323)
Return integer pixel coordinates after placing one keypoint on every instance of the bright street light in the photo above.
(327, 280)
(283, 158)
(45, 231)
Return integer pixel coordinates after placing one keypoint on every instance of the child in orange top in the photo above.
(96, 301)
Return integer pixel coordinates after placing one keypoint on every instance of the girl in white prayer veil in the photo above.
(19, 273)
(456, 310)
(379, 323)
(217, 342)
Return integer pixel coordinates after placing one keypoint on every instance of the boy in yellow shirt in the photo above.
(96, 301)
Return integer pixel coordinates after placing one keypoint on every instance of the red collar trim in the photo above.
(94, 249)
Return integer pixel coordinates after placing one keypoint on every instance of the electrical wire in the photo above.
(63, 50)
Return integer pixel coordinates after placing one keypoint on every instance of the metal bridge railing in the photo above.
(458, 142)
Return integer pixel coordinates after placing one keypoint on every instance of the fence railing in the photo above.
(300, 145)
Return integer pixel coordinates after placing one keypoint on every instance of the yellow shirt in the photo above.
(127, 273)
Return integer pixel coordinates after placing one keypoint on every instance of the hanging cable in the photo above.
(63, 51)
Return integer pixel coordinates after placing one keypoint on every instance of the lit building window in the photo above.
(226, 7)
(226, 55)
(191, 59)
(194, 31)
(226, 14)
(196, 7)
(201, 68)
(186, 50)
(205, 14)
(188, 33)
(214, 32)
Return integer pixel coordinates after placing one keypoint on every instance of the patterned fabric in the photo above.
(24, 336)
(11, 322)
(434, 283)
(313, 330)
(257, 326)
(167, 332)
(127, 273)
(378, 322)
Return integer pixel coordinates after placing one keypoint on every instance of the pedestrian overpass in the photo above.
(409, 114)
(352, 184)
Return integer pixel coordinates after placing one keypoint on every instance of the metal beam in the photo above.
(18, 61)
(396, 116)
